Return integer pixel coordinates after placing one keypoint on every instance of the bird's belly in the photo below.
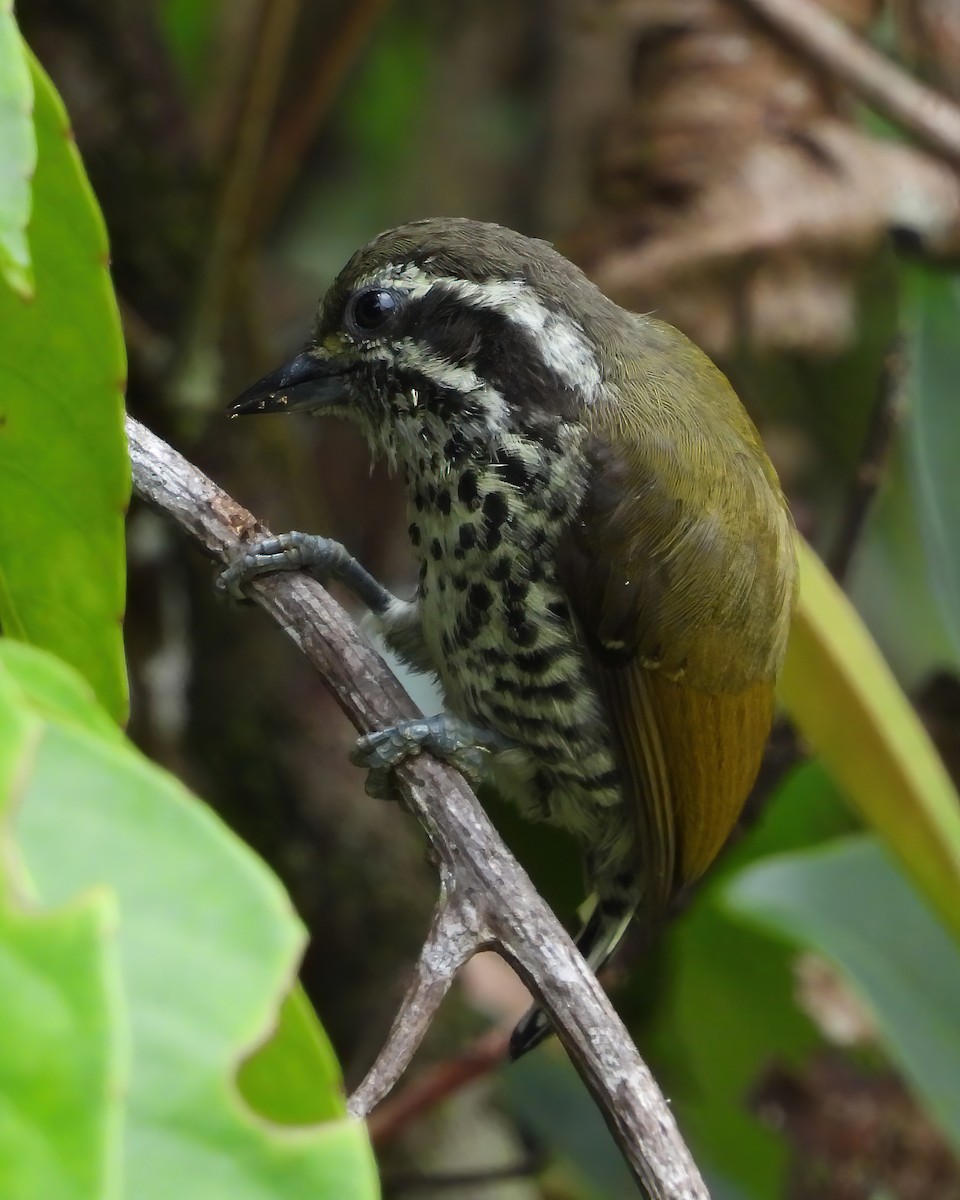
(507, 655)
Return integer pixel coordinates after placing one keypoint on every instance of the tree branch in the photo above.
(476, 868)
(926, 114)
(453, 938)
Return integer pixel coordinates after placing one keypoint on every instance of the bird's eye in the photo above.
(370, 310)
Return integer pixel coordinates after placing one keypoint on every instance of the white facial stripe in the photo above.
(456, 376)
(558, 338)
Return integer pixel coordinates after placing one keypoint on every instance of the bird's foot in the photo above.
(460, 743)
(291, 551)
(321, 557)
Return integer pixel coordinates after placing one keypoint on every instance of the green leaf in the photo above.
(64, 1049)
(849, 902)
(208, 949)
(64, 470)
(889, 583)
(18, 155)
(933, 318)
(294, 1078)
(847, 704)
(62, 1043)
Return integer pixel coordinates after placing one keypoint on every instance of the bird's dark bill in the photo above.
(305, 384)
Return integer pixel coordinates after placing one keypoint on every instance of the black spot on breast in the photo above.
(414, 532)
(479, 596)
(515, 471)
(537, 661)
(460, 583)
(521, 631)
(515, 591)
(559, 609)
(468, 536)
(561, 691)
(603, 782)
(469, 624)
(495, 508)
(495, 512)
(535, 572)
(501, 569)
(443, 501)
(467, 489)
(436, 550)
(552, 755)
(507, 715)
(418, 500)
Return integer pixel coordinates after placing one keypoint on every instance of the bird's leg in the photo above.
(451, 738)
(457, 741)
(398, 621)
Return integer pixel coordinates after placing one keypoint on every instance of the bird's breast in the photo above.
(496, 620)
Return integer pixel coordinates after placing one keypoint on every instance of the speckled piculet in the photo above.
(607, 565)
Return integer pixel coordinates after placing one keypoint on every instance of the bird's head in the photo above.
(448, 332)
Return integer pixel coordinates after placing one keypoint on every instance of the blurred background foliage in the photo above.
(803, 1009)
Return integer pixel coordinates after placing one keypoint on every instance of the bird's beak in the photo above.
(308, 383)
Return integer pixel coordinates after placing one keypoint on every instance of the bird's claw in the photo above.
(459, 743)
(293, 551)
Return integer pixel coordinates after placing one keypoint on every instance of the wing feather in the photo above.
(682, 575)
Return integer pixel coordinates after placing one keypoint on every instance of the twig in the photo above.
(453, 939)
(477, 871)
(873, 459)
(929, 116)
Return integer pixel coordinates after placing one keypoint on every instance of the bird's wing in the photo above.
(681, 573)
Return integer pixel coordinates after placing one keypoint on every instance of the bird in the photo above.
(607, 562)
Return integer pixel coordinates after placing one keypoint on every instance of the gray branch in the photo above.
(487, 901)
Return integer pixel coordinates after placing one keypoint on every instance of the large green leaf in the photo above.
(933, 318)
(847, 704)
(64, 471)
(849, 902)
(208, 948)
(18, 155)
(64, 1045)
